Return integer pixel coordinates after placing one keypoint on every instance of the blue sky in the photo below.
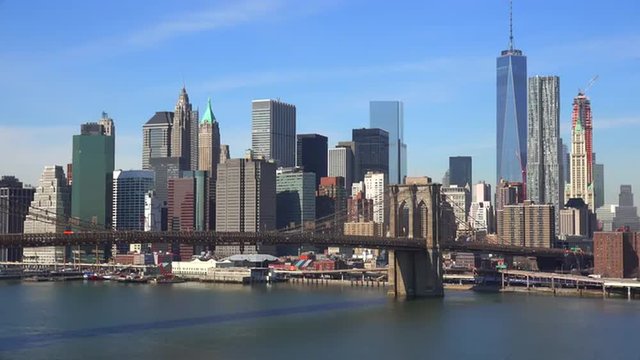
(64, 62)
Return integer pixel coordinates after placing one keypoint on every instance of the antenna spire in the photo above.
(511, 25)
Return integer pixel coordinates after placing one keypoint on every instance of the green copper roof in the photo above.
(208, 117)
(578, 125)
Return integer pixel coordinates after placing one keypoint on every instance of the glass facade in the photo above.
(372, 152)
(460, 171)
(511, 116)
(129, 190)
(93, 163)
(544, 164)
(389, 116)
(273, 131)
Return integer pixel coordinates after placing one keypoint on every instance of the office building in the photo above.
(481, 217)
(129, 190)
(164, 169)
(511, 114)
(273, 131)
(616, 254)
(543, 145)
(371, 152)
(605, 215)
(331, 203)
(598, 185)
(581, 183)
(224, 154)
(93, 165)
(575, 220)
(14, 207)
(295, 199)
(460, 171)
(389, 116)
(341, 164)
(184, 133)
(375, 185)
(626, 216)
(49, 213)
(187, 207)
(246, 199)
(312, 153)
(359, 208)
(509, 193)
(152, 212)
(527, 224)
(481, 192)
(156, 138)
(209, 158)
(460, 200)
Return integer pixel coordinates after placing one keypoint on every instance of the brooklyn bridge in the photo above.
(415, 239)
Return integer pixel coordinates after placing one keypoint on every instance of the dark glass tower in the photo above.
(460, 171)
(511, 114)
(372, 152)
(311, 154)
(389, 116)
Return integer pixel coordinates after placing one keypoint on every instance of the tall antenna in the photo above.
(511, 25)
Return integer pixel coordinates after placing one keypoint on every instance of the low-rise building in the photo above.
(197, 267)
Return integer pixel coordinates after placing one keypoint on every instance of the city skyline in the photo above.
(235, 85)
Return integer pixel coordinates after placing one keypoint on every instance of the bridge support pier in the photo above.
(414, 274)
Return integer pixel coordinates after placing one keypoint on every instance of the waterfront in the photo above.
(77, 320)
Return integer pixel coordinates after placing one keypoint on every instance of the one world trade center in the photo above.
(511, 115)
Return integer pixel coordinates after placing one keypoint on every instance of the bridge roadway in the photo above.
(264, 238)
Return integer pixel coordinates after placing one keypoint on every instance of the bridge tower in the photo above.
(415, 212)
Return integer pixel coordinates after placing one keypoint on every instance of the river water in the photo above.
(94, 320)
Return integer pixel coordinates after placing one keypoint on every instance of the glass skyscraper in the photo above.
(544, 179)
(511, 115)
(389, 116)
(273, 131)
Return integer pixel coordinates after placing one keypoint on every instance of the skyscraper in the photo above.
(246, 199)
(129, 190)
(184, 133)
(389, 116)
(598, 185)
(48, 213)
(209, 142)
(341, 163)
(460, 171)
(156, 137)
(93, 163)
(375, 184)
(626, 215)
(312, 155)
(295, 198)
(273, 132)
(372, 152)
(511, 136)
(209, 158)
(543, 165)
(14, 207)
(581, 151)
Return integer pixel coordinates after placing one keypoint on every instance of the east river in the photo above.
(102, 320)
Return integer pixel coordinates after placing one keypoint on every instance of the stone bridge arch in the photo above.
(414, 212)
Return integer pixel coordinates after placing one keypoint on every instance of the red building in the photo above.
(616, 254)
(359, 209)
(181, 208)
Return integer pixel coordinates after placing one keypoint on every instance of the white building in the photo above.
(48, 213)
(197, 267)
(357, 187)
(375, 185)
(341, 163)
(481, 216)
(460, 200)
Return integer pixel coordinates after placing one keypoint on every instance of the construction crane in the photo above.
(589, 85)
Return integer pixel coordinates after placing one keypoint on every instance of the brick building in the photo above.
(616, 254)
